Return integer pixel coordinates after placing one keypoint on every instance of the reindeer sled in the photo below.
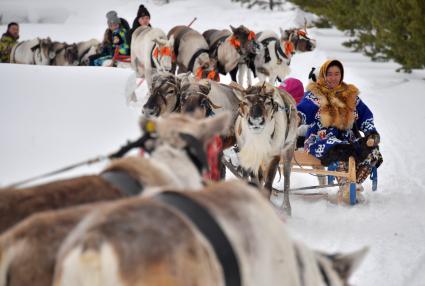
(265, 133)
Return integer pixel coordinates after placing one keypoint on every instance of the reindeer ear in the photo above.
(214, 125)
(232, 28)
(346, 264)
(284, 34)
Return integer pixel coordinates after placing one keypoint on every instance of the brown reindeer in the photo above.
(265, 131)
(28, 250)
(232, 48)
(226, 234)
(192, 53)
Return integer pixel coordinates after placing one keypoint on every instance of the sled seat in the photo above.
(306, 163)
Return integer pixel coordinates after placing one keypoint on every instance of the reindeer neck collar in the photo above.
(195, 150)
(194, 57)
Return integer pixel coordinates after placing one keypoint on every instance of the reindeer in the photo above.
(192, 53)
(33, 52)
(28, 250)
(66, 55)
(226, 234)
(276, 53)
(164, 95)
(232, 49)
(17, 204)
(87, 49)
(151, 52)
(265, 131)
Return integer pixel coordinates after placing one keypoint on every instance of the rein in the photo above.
(118, 154)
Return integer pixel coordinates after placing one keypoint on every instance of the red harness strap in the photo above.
(214, 147)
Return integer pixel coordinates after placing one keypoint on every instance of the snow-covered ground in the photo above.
(51, 117)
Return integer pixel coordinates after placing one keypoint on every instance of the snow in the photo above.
(55, 116)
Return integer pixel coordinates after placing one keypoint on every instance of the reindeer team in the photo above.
(157, 221)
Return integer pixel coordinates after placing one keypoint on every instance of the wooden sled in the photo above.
(306, 163)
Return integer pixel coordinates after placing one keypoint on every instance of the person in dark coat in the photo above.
(143, 18)
(336, 115)
(8, 40)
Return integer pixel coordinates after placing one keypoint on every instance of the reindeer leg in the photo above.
(241, 74)
(287, 180)
(248, 73)
(271, 173)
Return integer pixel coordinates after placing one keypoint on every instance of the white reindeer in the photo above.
(151, 51)
(87, 49)
(265, 131)
(33, 52)
(273, 61)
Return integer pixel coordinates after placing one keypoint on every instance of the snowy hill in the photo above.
(54, 116)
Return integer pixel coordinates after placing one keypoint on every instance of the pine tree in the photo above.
(381, 29)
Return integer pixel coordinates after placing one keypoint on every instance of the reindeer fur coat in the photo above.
(331, 116)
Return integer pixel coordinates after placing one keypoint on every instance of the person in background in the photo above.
(8, 40)
(296, 89)
(115, 37)
(143, 18)
(336, 117)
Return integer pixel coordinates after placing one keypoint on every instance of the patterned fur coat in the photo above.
(331, 116)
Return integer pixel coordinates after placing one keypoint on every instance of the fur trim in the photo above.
(337, 106)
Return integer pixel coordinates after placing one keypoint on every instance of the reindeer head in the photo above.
(244, 40)
(257, 106)
(71, 55)
(184, 132)
(164, 95)
(296, 40)
(163, 53)
(194, 98)
(206, 67)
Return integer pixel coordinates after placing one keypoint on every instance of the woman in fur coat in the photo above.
(336, 116)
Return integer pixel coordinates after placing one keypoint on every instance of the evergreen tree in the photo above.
(381, 29)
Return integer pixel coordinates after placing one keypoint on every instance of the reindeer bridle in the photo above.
(157, 53)
(205, 102)
(163, 96)
(236, 43)
(254, 96)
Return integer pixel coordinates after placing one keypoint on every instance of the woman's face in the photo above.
(333, 76)
(144, 21)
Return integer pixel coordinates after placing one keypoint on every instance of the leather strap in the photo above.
(212, 231)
